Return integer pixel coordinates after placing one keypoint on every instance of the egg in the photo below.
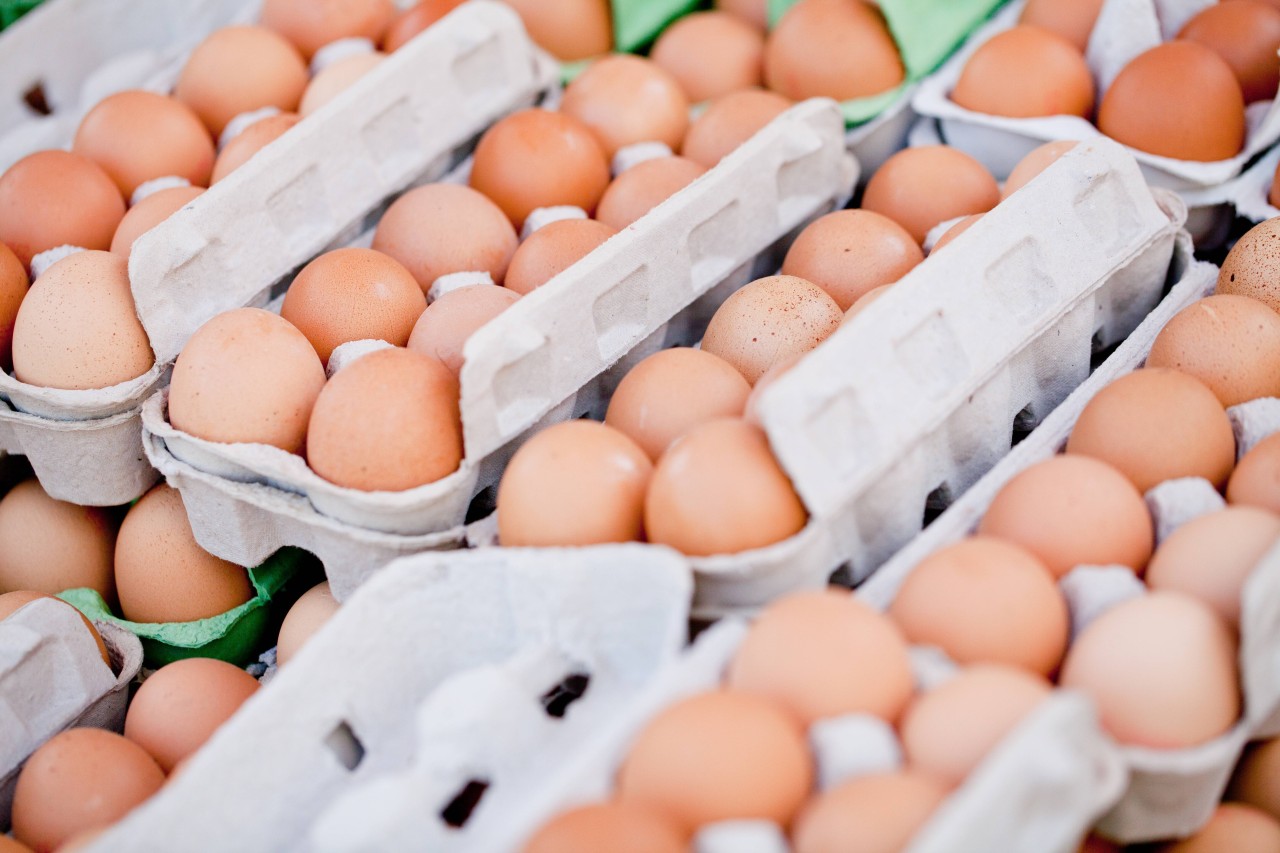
(246, 376)
(335, 79)
(838, 49)
(12, 602)
(1230, 343)
(921, 187)
(1073, 511)
(56, 198)
(1072, 21)
(1030, 166)
(711, 54)
(239, 69)
(626, 99)
(414, 20)
(10, 845)
(877, 813)
(1026, 72)
(569, 30)
(313, 609)
(449, 322)
(729, 121)
(754, 12)
(1246, 34)
(149, 213)
(1256, 479)
(1234, 826)
(770, 320)
(162, 574)
(1157, 424)
(825, 654)
(672, 391)
(718, 490)
(48, 545)
(617, 827)
(1252, 267)
(81, 779)
(13, 288)
(551, 250)
(1273, 194)
(955, 231)
(1161, 669)
(716, 756)
(387, 422)
(353, 295)
(1179, 100)
(948, 731)
(575, 483)
(752, 412)
(864, 300)
(241, 148)
(852, 252)
(312, 24)
(643, 187)
(83, 841)
(137, 136)
(181, 705)
(1257, 777)
(984, 600)
(537, 158)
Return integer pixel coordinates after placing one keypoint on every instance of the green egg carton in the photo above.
(12, 10)
(237, 636)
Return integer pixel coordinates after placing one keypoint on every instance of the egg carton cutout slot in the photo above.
(497, 651)
(311, 190)
(554, 355)
(1171, 792)
(53, 678)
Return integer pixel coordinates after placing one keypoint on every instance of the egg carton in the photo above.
(1247, 195)
(52, 678)
(409, 120)
(503, 650)
(1172, 792)
(554, 355)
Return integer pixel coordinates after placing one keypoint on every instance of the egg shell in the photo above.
(1256, 479)
(852, 252)
(1030, 166)
(1234, 826)
(863, 301)
(49, 546)
(618, 827)
(82, 841)
(10, 602)
(570, 30)
(955, 231)
(1273, 195)
(149, 213)
(711, 54)
(56, 198)
(921, 187)
(551, 250)
(308, 615)
(643, 187)
(238, 69)
(414, 20)
(236, 152)
(1257, 777)
(838, 49)
(1026, 72)
(1246, 34)
(13, 288)
(312, 24)
(1252, 267)
(755, 12)
(752, 412)
(879, 813)
(445, 326)
(336, 79)
(10, 845)
(1072, 21)
(729, 121)
(626, 99)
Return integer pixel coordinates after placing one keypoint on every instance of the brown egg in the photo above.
(616, 827)
(56, 198)
(769, 321)
(1247, 35)
(1230, 343)
(1162, 670)
(246, 376)
(1233, 827)
(920, 187)
(718, 756)
(1072, 21)
(673, 391)
(238, 69)
(183, 704)
(353, 295)
(1098, 517)
(1252, 268)
(1178, 100)
(137, 136)
(1026, 72)
(250, 141)
(949, 730)
(149, 213)
(414, 20)
(10, 845)
(728, 122)
(711, 54)
(312, 24)
(838, 49)
(956, 230)
(336, 79)
(308, 615)
(387, 422)
(448, 323)
(626, 99)
(162, 573)
(643, 187)
(1256, 480)
(49, 546)
(879, 813)
(983, 600)
(77, 327)
(569, 30)
(1157, 424)
(852, 252)
(1257, 777)
(1033, 164)
(718, 490)
(13, 288)
(752, 11)
(752, 412)
(575, 483)
(866, 299)
(824, 654)
(11, 602)
(81, 779)
(1273, 194)
(551, 250)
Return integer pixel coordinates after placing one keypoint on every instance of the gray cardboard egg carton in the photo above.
(52, 678)
(407, 121)
(1248, 194)
(555, 354)
(1171, 792)
(475, 657)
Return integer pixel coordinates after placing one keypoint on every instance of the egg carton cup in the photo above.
(489, 645)
(52, 678)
